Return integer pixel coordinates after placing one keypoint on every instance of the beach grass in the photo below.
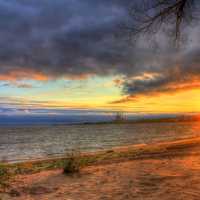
(5, 176)
(73, 163)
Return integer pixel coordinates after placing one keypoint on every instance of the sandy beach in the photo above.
(175, 175)
(100, 100)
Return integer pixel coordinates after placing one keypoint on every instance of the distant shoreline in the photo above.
(44, 120)
(131, 121)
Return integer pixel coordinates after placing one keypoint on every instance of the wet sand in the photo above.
(168, 177)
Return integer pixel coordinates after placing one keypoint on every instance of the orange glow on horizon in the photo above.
(25, 74)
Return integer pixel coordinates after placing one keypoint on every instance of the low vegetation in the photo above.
(72, 163)
(4, 176)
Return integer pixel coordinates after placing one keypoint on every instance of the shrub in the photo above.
(72, 163)
(4, 176)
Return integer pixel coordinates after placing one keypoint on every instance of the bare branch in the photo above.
(149, 16)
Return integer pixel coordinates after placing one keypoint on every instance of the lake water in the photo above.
(31, 142)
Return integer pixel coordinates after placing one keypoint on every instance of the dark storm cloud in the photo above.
(75, 38)
(180, 73)
(164, 68)
(64, 37)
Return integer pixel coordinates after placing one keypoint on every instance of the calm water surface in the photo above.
(21, 143)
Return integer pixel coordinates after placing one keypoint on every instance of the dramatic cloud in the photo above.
(58, 38)
(172, 73)
(49, 39)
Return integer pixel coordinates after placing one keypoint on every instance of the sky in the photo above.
(67, 55)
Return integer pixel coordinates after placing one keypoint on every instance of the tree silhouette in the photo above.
(149, 16)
